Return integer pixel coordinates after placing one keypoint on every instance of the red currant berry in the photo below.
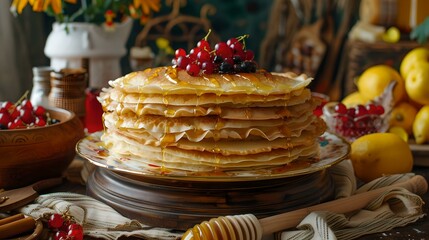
(340, 108)
(194, 53)
(55, 221)
(17, 123)
(193, 69)
(59, 235)
(5, 118)
(40, 121)
(182, 62)
(231, 41)
(4, 110)
(27, 115)
(39, 111)
(236, 48)
(7, 105)
(249, 55)
(203, 56)
(26, 104)
(223, 50)
(75, 226)
(204, 45)
(208, 67)
(76, 234)
(180, 53)
(15, 113)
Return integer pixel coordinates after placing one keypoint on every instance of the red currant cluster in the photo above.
(65, 228)
(356, 121)
(226, 57)
(23, 115)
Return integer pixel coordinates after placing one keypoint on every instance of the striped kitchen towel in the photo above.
(391, 209)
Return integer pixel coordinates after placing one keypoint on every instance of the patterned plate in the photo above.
(333, 149)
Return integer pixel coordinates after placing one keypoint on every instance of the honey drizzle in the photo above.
(256, 82)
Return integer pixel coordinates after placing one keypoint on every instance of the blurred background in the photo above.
(304, 36)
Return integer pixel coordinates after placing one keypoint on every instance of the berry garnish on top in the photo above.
(226, 58)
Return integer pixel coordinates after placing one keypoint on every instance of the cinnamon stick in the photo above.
(11, 218)
(17, 227)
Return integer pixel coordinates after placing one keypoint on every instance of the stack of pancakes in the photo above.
(164, 118)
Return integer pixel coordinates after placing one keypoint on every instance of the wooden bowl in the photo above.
(30, 155)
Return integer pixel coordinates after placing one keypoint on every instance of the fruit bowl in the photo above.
(354, 122)
(32, 154)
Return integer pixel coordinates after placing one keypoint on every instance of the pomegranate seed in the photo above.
(380, 109)
(360, 111)
(371, 108)
(340, 108)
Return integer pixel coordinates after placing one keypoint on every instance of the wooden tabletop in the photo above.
(417, 230)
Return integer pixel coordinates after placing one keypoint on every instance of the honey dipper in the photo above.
(248, 227)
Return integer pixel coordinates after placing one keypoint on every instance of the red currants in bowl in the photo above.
(354, 122)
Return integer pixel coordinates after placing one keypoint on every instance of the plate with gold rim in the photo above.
(333, 149)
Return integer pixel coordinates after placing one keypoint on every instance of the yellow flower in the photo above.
(18, 5)
(162, 43)
(147, 5)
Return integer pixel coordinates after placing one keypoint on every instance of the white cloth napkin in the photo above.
(395, 208)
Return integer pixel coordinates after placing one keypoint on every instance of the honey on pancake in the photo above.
(256, 83)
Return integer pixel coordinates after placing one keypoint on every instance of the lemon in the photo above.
(403, 116)
(420, 54)
(353, 99)
(374, 80)
(378, 154)
(400, 132)
(392, 35)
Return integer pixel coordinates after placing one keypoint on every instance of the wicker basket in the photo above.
(362, 55)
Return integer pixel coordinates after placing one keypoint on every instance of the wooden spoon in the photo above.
(19, 197)
(276, 223)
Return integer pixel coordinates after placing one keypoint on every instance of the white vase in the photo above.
(76, 45)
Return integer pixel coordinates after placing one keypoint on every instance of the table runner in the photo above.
(391, 209)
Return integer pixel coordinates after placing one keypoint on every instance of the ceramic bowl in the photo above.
(33, 154)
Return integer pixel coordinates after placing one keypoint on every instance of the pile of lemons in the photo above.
(378, 154)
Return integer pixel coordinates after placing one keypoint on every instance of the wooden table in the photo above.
(417, 230)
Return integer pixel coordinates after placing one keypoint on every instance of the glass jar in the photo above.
(41, 86)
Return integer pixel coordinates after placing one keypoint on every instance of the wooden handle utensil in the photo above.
(248, 227)
(19, 197)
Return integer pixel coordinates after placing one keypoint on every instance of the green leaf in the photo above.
(421, 32)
